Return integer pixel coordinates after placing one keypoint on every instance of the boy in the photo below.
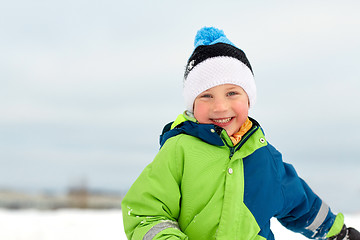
(216, 176)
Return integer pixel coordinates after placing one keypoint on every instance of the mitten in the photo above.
(346, 234)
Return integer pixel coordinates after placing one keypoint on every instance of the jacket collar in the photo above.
(206, 132)
(187, 124)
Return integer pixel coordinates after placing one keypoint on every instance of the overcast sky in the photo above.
(86, 86)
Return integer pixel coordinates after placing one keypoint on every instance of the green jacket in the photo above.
(200, 186)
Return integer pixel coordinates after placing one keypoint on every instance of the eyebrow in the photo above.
(231, 88)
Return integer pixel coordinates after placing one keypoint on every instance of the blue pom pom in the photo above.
(209, 36)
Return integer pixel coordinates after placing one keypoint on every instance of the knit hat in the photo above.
(216, 61)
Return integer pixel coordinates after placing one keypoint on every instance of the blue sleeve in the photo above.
(303, 211)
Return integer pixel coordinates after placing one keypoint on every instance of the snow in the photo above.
(61, 224)
(74, 224)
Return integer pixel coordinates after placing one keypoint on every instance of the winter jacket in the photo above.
(200, 186)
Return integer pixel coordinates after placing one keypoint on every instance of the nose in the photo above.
(220, 105)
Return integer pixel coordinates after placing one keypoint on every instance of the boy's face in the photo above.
(224, 105)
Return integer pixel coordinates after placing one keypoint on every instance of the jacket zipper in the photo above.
(246, 137)
(232, 151)
(243, 140)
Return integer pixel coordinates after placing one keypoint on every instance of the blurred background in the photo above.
(87, 86)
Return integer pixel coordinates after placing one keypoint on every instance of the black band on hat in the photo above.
(203, 52)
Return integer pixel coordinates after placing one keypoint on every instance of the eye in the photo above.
(206, 95)
(232, 93)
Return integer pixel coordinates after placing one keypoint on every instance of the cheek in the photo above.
(242, 109)
(201, 112)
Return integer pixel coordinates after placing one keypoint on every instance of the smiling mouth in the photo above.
(222, 121)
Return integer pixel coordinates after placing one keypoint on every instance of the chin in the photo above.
(230, 132)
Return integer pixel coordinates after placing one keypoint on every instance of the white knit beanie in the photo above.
(216, 61)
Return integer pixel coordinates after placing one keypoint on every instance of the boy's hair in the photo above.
(216, 61)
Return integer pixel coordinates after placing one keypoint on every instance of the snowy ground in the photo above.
(90, 225)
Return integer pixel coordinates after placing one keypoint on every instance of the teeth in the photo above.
(222, 120)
